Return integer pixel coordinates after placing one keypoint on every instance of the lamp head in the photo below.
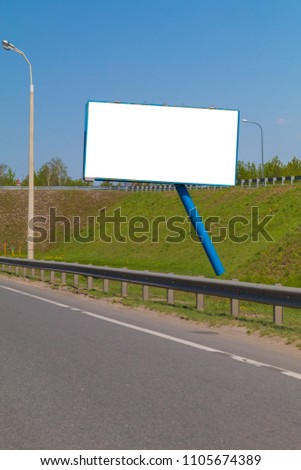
(7, 45)
(244, 120)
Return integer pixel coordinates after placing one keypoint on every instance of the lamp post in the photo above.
(30, 244)
(261, 133)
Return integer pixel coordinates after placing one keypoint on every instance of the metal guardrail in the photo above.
(278, 296)
(247, 183)
(256, 182)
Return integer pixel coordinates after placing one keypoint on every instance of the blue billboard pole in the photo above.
(199, 227)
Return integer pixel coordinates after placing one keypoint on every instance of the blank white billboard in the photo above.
(166, 144)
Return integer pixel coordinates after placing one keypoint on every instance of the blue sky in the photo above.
(237, 54)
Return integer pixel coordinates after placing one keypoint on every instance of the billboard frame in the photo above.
(151, 180)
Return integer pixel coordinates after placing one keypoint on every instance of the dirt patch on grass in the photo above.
(68, 203)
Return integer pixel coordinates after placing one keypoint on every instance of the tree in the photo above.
(293, 167)
(247, 170)
(44, 175)
(52, 173)
(274, 168)
(7, 175)
(3, 168)
(25, 180)
(76, 182)
(106, 183)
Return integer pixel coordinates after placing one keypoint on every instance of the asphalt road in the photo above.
(85, 374)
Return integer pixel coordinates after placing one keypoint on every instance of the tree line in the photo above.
(272, 168)
(55, 172)
(52, 173)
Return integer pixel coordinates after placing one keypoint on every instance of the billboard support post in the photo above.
(199, 227)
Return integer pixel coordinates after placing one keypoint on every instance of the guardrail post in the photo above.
(200, 302)
(145, 293)
(292, 179)
(89, 282)
(42, 275)
(170, 296)
(52, 277)
(32, 272)
(124, 289)
(24, 271)
(234, 305)
(106, 286)
(17, 270)
(63, 279)
(75, 280)
(278, 313)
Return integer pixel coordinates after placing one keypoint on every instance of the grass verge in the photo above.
(253, 317)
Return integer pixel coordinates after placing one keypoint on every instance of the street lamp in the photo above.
(261, 131)
(30, 244)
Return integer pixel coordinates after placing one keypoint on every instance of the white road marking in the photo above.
(158, 334)
(249, 361)
(291, 374)
(35, 297)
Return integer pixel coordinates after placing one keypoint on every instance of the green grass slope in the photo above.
(256, 231)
